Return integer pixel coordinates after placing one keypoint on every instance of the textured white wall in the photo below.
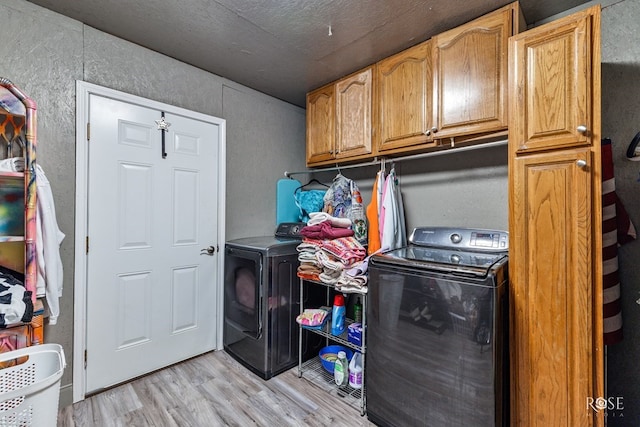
(44, 53)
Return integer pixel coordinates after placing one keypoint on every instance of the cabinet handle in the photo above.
(434, 129)
(582, 129)
(427, 132)
(581, 163)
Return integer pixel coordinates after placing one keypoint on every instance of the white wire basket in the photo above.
(29, 390)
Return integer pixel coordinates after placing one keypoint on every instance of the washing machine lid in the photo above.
(265, 243)
(287, 237)
(444, 260)
(464, 251)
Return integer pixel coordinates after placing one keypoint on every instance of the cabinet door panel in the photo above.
(550, 86)
(405, 98)
(321, 124)
(353, 114)
(551, 288)
(470, 75)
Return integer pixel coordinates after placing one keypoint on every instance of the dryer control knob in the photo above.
(456, 238)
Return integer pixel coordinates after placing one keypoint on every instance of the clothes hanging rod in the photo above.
(377, 161)
(373, 162)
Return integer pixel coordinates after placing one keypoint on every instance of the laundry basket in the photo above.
(29, 390)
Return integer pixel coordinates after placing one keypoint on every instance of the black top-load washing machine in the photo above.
(437, 314)
(262, 300)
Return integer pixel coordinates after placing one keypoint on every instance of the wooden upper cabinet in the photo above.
(339, 120)
(452, 86)
(404, 99)
(470, 74)
(551, 85)
(321, 124)
(354, 95)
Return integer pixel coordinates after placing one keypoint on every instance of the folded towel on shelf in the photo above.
(346, 249)
(355, 278)
(350, 288)
(320, 217)
(305, 267)
(308, 257)
(308, 276)
(312, 317)
(12, 164)
(328, 262)
(329, 277)
(308, 244)
(325, 230)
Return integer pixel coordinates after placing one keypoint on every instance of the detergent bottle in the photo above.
(355, 371)
(338, 315)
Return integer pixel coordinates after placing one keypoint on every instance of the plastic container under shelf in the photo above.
(29, 390)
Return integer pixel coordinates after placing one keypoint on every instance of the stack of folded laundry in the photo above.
(328, 250)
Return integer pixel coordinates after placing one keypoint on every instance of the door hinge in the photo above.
(85, 359)
(87, 244)
(88, 131)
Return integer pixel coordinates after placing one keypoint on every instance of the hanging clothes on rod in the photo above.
(373, 212)
(309, 201)
(343, 200)
(392, 226)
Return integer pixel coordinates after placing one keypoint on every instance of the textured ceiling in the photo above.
(284, 48)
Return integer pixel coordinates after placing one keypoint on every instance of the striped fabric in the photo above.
(617, 229)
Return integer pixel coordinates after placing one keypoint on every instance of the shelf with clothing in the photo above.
(22, 313)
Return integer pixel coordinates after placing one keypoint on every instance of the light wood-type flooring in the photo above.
(212, 390)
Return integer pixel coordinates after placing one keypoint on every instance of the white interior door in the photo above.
(151, 292)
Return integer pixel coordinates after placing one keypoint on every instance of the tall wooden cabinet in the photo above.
(555, 260)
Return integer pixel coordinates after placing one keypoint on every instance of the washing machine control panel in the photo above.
(461, 238)
(289, 229)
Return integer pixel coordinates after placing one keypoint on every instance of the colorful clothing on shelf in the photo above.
(325, 230)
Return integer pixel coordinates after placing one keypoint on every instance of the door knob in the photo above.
(208, 251)
(581, 163)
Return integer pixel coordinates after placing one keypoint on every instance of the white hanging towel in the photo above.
(48, 239)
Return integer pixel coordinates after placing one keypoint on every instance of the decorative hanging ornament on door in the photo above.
(164, 127)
